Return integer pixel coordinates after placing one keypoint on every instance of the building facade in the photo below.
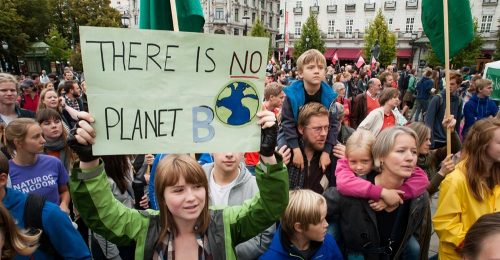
(236, 17)
(343, 24)
(129, 10)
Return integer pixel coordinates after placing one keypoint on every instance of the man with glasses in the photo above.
(313, 126)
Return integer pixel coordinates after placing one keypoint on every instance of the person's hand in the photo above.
(392, 197)
(324, 161)
(269, 133)
(391, 208)
(149, 158)
(144, 202)
(298, 160)
(82, 136)
(339, 151)
(62, 102)
(285, 153)
(449, 122)
(447, 166)
(377, 205)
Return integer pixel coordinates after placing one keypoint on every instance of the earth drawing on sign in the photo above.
(237, 103)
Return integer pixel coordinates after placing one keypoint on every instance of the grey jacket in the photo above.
(245, 188)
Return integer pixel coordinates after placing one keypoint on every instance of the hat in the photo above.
(27, 84)
(269, 74)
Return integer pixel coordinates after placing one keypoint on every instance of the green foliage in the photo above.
(11, 31)
(59, 48)
(466, 57)
(76, 58)
(310, 30)
(378, 30)
(36, 17)
(496, 55)
(258, 30)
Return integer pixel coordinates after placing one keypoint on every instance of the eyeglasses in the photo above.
(319, 129)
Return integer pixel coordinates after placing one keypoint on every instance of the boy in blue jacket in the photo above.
(302, 234)
(479, 105)
(311, 67)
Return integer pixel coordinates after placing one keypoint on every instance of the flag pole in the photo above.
(447, 73)
(175, 22)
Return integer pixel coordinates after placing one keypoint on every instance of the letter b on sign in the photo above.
(202, 130)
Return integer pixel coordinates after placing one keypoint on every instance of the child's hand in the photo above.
(285, 153)
(392, 197)
(298, 160)
(391, 208)
(377, 205)
(324, 161)
(447, 166)
(339, 151)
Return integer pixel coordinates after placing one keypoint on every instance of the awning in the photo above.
(348, 53)
(329, 53)
(403, 53)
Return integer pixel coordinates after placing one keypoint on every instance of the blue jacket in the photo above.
(476, 109)
(56, 224)
(423, 88)
(435, 115)
(328, 250)
(295, 99)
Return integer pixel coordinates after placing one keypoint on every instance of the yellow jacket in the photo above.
(457, 210)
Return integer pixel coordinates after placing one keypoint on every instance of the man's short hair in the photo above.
(456, 76)
(387, 94)
(68, 85)
(304, 207)
(34, 76)
(52, 76)
(272, 89)
(371, 82)
(6, 77)
(309, 110)
(280, 73)
(482, 83)
(383, 76)
(309, 56)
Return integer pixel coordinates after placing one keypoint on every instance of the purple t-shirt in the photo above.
(42, 178)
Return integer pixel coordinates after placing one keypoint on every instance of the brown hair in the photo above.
(309, 110)
(15, 240)
(272, 89)
(486, 226)
(16, 129)
(168, 172)
(474, 154)
(422, 130)
(383, 76)
(456, 76)
(387, 94)
(304, 207)
(310, 56)
(51, 114)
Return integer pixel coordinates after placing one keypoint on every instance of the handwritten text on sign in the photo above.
(177, 92)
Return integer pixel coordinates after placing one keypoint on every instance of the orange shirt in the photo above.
(371, 104)
(389, 120)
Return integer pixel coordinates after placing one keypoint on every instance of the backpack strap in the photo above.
(32, 217)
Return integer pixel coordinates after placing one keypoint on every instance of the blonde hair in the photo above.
(360, 139)
(168, 172)
(422, 130)
(309, 56)
(386, 140)
(42, 105)
(482, 83)
(15, 240)
(6, 77)
(304, 207)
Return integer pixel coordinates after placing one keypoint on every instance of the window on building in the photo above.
(219, 13)
(409, 24)
(486, 23)
(245, 13)
(262, 19)
(389, 23)
(236, 31)
(270, 21)
(297, 28)
(262, 4)
(253, 18)
(254, 3)
(236, 14)
(271, 7)
(298, 4)
(278, 22)
(348, 26)
(331, 27)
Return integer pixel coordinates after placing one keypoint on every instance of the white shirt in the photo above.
(218, 193)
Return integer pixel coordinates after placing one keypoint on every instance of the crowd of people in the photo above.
(348, 162)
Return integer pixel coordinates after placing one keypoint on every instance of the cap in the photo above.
(269, 74)
(27, 84)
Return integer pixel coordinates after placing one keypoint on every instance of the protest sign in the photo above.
(492, 72)
(177, 92)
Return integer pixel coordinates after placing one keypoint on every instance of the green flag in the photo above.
(460, 25)
(156, 14)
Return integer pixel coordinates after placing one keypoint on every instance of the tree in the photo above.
(310, 38)
(258, 30)
(11, 33)
(59, 47)
(76, 59)
(378, 30)
(36, 17)
(496, 55)
(466, 57)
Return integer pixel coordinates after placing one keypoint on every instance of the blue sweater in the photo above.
(327, 251)
(56, 225)
(423, 88)
(476, 109)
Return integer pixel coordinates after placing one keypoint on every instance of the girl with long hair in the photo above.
(471, 190)
(13, 240)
